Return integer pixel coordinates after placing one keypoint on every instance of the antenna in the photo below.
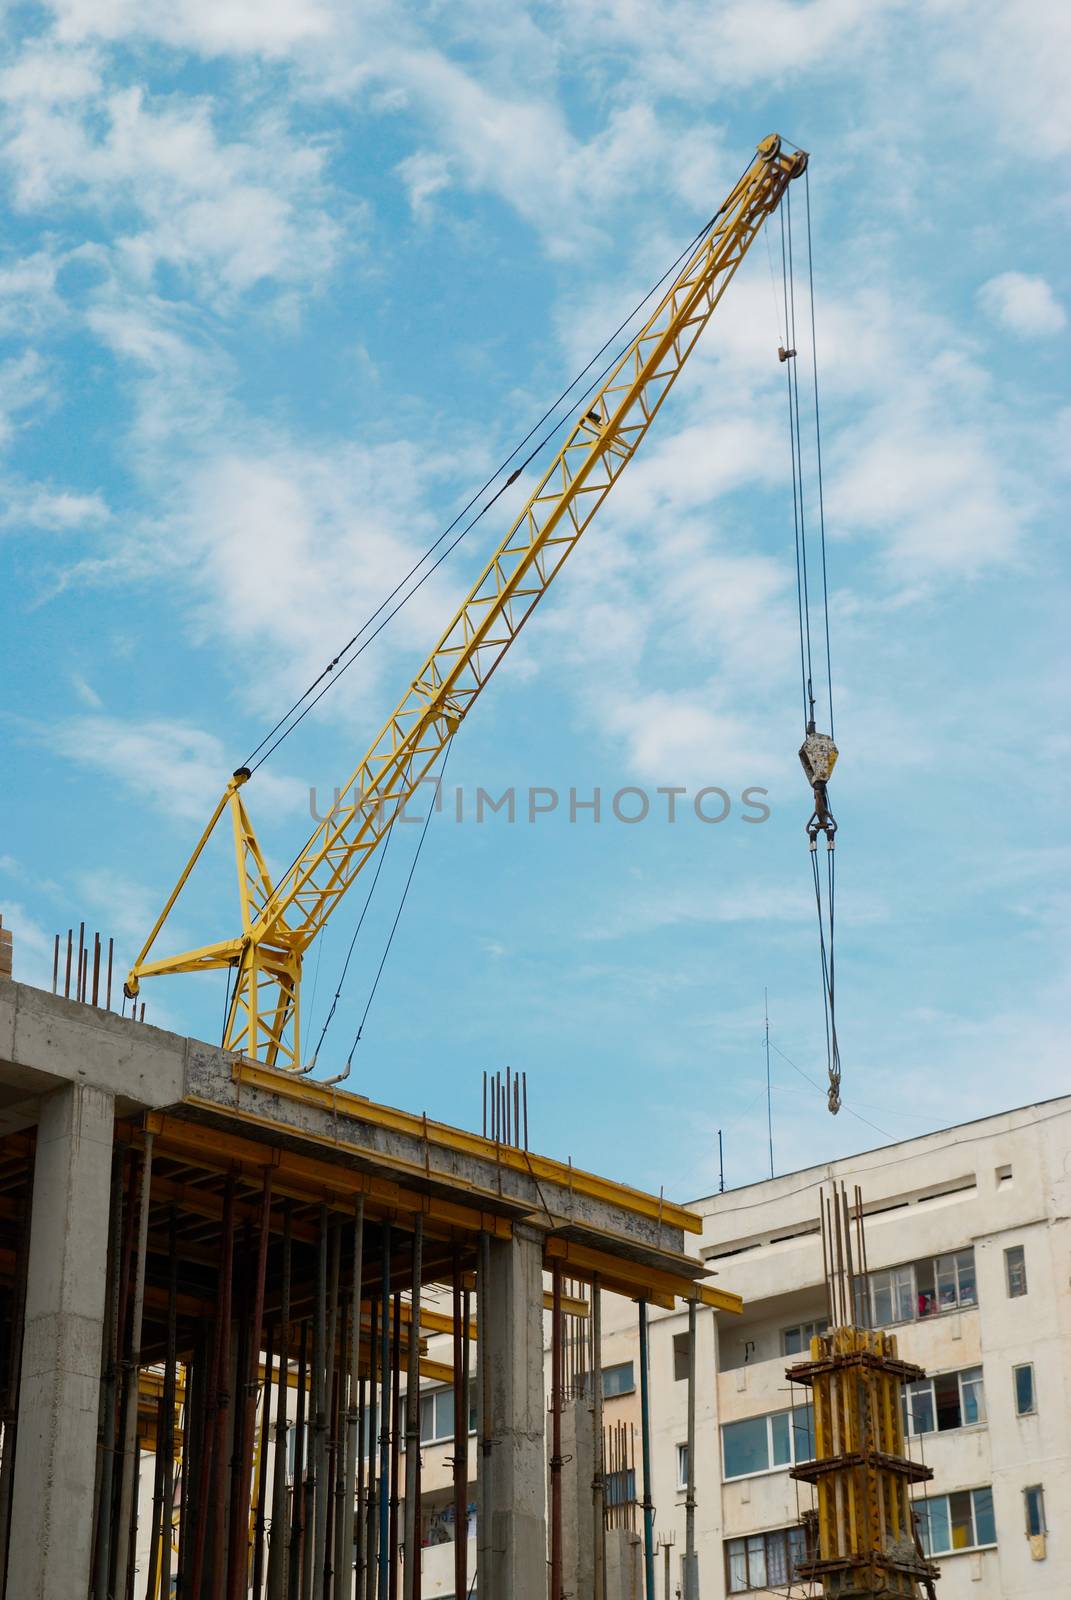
(769, 1096)
(721, 1166)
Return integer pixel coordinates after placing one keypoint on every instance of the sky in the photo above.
(282, 285)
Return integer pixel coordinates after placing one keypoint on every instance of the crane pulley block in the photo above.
(818, 757)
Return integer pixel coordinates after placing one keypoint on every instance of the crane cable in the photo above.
(401, 907)
(343, 658)
(311, 1063)
(818, 752)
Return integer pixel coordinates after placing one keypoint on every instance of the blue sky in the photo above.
(280, 285)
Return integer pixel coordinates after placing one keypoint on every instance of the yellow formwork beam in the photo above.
(307, 1091)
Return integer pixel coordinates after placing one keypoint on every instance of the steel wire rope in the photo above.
(401, 906)
(787, 347)
(833, 1065)
(335, 661)
(818, 451)
(816, 1085)
(793, 376)
(349, 954)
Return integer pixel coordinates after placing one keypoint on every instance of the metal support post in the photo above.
(598, 1481)
(645, 1433)
(128, 1483)
(556, 1591)
(411, 1567)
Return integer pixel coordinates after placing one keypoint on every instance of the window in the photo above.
(682, 1466)
(798, 1339)
(1025, 1400)
(762, 1444)
(1015, 1271)
(681, 1357)
(951, 1522)
(620, 1488)
(949, 1400)
(892, 1296)
(436, 1416)
(1034, 1506)
(923, 1288)
(764, 1559)
(618, 1380)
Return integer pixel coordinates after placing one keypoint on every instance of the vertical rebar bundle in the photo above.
(866, 1542)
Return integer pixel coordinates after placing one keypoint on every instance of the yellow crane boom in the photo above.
(280, 921)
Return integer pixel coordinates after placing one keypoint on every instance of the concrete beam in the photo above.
(55, 1458)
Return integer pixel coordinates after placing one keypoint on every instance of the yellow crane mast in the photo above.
(280, 920)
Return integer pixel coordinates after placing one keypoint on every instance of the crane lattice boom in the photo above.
(279, 921)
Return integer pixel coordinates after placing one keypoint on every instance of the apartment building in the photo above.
(969, 1255)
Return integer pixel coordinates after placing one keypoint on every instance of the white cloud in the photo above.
(1012, 55)
(287, 551)
(52, 510)
(226, 215)
(28, 297)
(425, 174)
(86, 692)
(25, 384)
(685, 46)
(32, 948)
(211, 27)
(128, 908)
(178, 769)
(1023, 304)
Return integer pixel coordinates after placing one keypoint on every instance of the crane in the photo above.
(280, 920)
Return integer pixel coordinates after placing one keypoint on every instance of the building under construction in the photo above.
(199, 1252)
(221, 1275)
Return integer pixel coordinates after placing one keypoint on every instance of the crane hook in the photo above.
(818, 757)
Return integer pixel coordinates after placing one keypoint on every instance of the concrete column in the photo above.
(578, 1452)
(624, 1565)
(514, 1335)
(52, 1515)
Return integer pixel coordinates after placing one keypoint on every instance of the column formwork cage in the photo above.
(863, 1543)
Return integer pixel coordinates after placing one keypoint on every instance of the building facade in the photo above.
(969, 1262)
